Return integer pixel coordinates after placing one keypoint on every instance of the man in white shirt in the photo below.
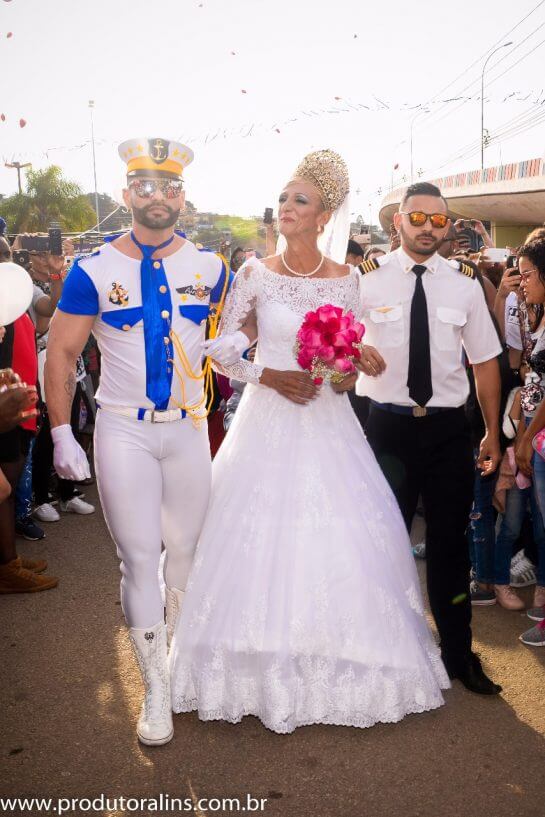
(420, 312)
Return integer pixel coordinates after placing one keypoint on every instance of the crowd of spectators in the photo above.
(30, 493)
(506, 531)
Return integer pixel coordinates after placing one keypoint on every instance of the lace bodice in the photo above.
(279, 303)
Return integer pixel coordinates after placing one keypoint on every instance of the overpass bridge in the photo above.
(511, 197)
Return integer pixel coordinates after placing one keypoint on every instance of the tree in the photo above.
(49, 197)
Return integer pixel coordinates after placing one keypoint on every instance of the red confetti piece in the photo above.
(9, 34)
(277, 130)
(3, 117)
(396, 166)
(22, 123)
(338, 97)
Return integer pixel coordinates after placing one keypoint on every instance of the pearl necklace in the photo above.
(302, 274)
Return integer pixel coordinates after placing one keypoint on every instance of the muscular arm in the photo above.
(68, 335)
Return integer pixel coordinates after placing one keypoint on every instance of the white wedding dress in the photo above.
(303, 605)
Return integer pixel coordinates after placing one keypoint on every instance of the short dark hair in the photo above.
(354, 248)
(370, 250)
(422, 189)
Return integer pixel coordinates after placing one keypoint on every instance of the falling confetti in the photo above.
(355, 36)
(277, 130)
(233, 53)
(243, 91)
(338, 97)
(9, 34)
(3, 117)
(22, 123)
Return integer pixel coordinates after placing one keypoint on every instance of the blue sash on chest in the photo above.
(156, 302)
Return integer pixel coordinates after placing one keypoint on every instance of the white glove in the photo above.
(69, 458)
(227, 349)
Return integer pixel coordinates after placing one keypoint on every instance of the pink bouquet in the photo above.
(328, 342)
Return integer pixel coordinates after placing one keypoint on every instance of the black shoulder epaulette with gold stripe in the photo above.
(467, 270)
(369, 265)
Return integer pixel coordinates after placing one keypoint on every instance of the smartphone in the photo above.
(268, 216)
(55, 240)
(35, 243)
(21, 257)
(511, 262)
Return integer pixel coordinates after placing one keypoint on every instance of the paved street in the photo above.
(71, 694)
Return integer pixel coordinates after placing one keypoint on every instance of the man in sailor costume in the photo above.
(147, 296)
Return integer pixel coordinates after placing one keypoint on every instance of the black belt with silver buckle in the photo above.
(411, 411)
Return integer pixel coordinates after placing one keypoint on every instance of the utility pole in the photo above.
(18, 167)
(91, 106)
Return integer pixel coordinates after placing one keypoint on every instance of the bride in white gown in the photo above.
(303, 605)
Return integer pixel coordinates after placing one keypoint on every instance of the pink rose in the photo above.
(326, 353)
(344, 365)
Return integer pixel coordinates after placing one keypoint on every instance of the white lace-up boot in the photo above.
(155, 722)
(174, 599)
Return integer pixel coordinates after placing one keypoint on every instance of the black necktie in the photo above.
(419, 377)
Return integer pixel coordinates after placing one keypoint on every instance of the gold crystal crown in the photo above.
(327, 171)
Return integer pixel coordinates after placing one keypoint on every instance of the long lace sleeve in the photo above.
(239, 310)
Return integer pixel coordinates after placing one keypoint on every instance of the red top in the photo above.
(25, 358)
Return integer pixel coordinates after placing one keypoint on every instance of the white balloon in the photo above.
(16, 290)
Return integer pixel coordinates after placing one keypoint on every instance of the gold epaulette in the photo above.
(467, 270)
(369, 265)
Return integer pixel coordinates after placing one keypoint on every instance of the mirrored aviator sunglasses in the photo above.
(417, 219)
(145, 188)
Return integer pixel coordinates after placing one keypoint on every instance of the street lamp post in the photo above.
(504, 45)
(91, 106)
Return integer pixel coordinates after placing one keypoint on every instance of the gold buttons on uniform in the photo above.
(165, 313)
(162, 289)
(167, 341)
(126, 327)
(157, 264)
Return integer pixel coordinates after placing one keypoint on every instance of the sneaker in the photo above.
(77, 505)
(36, 565)
(539, 596)
(536, 613)
(523, 572)
(46, 513)
(507, 597)
(14, 578)
(534, 637)
(481, 596)
(419, 550)
(28, 529)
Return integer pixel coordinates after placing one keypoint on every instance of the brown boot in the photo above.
(15, 579)
(36, 565)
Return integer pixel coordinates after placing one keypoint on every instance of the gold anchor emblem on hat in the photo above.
(158, 150)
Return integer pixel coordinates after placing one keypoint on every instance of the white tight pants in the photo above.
(154, 484)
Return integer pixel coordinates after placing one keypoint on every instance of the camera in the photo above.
(21, 257)
(268, 216)
(52, 242)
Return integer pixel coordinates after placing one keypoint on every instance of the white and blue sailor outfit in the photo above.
(152, 459)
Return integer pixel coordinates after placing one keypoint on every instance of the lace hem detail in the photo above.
(403, 694)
